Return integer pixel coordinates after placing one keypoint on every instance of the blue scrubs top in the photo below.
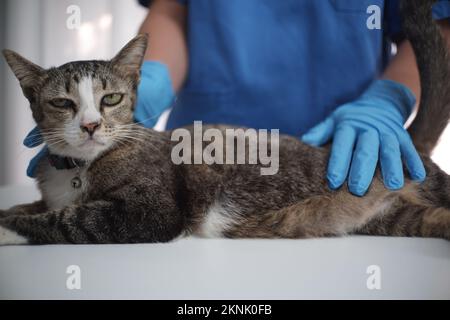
(280, 64)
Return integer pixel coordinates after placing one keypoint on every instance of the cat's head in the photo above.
(82, 108)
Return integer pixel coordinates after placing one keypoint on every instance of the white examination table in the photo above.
(221, 269)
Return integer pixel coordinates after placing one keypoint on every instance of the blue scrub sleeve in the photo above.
(392, 20)
(441, 10)
(146, 3)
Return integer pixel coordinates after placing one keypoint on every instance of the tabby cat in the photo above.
(108, 180)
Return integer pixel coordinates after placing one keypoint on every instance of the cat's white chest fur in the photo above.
(58, 188)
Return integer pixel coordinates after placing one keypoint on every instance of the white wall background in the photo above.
(441, 154)
(37, 29)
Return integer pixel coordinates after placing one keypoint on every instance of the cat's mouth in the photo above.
(91, 142)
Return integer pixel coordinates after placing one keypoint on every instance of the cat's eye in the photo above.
(62, 103)
(112, 99)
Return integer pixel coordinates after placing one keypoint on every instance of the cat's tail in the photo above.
(434, 68)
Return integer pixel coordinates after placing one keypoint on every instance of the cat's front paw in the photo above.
(9, 237)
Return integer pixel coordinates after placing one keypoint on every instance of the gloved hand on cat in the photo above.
(366, 130)
(155, 95)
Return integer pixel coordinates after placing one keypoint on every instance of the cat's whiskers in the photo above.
(135, 133)
(131, 138)
(55, 143)
(138, 137)
(43, 134)
(125, 139)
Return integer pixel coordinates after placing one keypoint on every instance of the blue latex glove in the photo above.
(34, 139)
(154, 96)
(366, 130)
(155, 93)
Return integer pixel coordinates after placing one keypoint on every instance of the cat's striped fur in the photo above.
(132, 192)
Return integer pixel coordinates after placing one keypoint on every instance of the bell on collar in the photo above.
(76, 183)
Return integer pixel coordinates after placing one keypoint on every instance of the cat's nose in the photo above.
(90, 127)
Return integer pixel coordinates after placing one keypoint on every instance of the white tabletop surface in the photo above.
(226, 269)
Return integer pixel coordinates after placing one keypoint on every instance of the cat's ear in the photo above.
(128, 61)
(29, 74)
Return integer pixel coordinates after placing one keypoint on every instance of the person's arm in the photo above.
(165, 65)
(166, 26)
(403, 67)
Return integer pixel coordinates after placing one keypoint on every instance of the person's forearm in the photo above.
(166, 25)
(403, 67)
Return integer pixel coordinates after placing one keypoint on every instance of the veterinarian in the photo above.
(319, 70)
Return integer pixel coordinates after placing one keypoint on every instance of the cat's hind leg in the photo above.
(338, 214)
(411, 220)
(335, 214)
